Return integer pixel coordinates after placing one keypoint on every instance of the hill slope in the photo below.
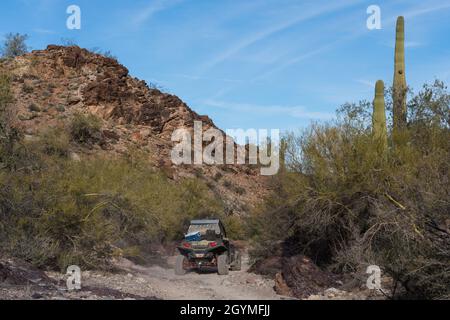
(52, 85)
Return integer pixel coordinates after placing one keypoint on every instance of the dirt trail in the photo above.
(204, 285)
(22, 281)
(135, 281)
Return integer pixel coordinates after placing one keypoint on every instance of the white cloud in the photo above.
(154, 7)
(299, 112)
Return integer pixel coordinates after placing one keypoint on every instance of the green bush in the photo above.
(5, 90)
(55, 141)
(33, 107)
(85, 129)
(27, 89)
(218, 176)
(10, 136)
(60, 108)
(227, 184)
(240, 190)
(235, 227)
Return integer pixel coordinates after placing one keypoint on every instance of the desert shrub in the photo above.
(5, 90)
(11, 150)
(33, 107)
(85, 129)
(198, 172)
(240, 190)
(55, 141)
(106, 53)
(60, 108)
(347, 205)
(27, 88)
(227, 184)
(235, 227)
(218, 176)
(87, 212)
(14, 45)
(51, 87)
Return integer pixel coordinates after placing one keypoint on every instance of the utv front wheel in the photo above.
(180, 264)
(222, 264)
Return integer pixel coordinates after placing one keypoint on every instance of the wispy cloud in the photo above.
(415, 12)
(299, 112)
(295, 60)
(44, 31)
(413, 44)
(150, 10)
(263, 34)
(367, 83)
(196, 78)
(425, 10)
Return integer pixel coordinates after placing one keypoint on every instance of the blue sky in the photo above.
(251, 64)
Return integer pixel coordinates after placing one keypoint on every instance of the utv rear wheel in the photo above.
(222, 264)
(237, 263)
(180, 265)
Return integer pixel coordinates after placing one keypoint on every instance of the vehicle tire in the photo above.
(237, 263)
(179, 265)
(222, 264)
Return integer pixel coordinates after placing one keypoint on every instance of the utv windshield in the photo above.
(202, 228)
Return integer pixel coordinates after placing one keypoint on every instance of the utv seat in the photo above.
(210, 235)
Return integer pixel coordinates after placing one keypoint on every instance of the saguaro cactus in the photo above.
(379, 115)
(399, 87)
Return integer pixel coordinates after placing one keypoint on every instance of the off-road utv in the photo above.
(206, 246)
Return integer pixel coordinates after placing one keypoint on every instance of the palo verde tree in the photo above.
(14, 45)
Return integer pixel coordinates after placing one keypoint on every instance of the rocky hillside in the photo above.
(52, 85)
